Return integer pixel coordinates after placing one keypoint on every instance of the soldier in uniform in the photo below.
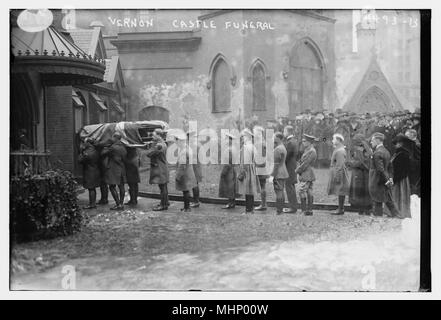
(185, 177)
(159, 173)
(280, 173)
(115, 173)
(306, 174)
(89, 158)
(228, 187)
(338, 180)
(292, 150)
(249, 184)
(380, 180)
(132, 174)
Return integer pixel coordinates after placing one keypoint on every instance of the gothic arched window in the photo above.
(221, 90)
(258, 83)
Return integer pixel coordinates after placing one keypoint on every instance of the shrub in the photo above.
(44, 206)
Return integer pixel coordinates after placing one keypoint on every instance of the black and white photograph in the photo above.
(219, 150)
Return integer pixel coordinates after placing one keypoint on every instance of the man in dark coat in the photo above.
(280, 173)
(159, 173)
(360, 154)
(89, 158)
(132, 174)
(415, 162)
(380, 180)
(103, 162)
(115, 173)
(291, 146)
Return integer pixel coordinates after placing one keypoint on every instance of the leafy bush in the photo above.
(44, 206)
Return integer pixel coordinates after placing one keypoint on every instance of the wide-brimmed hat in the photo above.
(402, 139)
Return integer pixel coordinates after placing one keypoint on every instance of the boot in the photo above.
(341, 208)
(196, 201)
(230, 205)
(309, 205)
(92, 199)
(104, 189)
(130, 202)
(262, 206)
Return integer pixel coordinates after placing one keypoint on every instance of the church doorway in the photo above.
(305, 78)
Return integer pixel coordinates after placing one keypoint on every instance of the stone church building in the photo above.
(221, 66)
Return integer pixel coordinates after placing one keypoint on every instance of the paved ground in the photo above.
(210, 249)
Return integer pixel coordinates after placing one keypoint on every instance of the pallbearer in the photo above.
(159, 174)
(115, 174)
(338, 178)
(228, 187)
(306, 174)
(132, 175)
(89, 158)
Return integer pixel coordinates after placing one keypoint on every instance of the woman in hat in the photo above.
(89, 157)
(360, 154)
(401, 167)
(248, 181)
(185, 177)
(228, 186)
(338, 179)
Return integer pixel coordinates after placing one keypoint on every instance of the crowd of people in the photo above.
(382, 152)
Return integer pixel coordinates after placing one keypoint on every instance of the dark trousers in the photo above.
(119, 198)
(163, 189)
(291, 192)
(196, 194)
(262, 182)
(249, 203)
(378, 206)
(279, 189)
(104, 189)
(133, 192)
(186, 199)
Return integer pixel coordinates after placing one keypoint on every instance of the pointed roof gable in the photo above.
(113, 71)
(89, 40)
(374, 81)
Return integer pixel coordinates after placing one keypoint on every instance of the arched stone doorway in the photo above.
(154, 113)
(374, 100)
(306, 77)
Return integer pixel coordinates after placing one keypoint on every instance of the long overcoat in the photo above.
(359, 186)
(132, 166)
(338, 183)
(292, 152)
(90, 159)
(185, 177)
(228, 184)
(304, 169)
(115, 173)
(379, 173)
(159, 173)
(248, 180)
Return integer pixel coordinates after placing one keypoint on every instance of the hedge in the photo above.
(44, 206)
